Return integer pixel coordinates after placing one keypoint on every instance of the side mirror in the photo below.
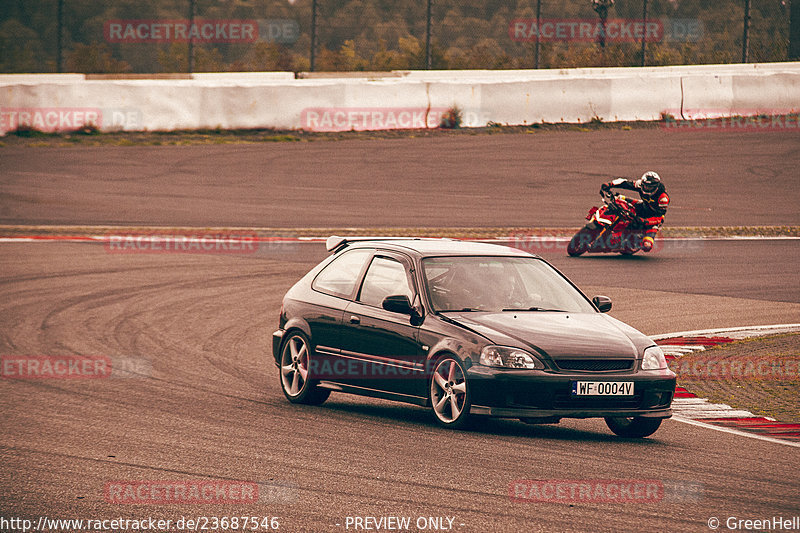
(603, 303)
(398, 304)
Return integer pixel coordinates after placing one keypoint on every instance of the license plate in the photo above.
(602, 388)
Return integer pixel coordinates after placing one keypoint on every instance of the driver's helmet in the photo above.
(649, 184)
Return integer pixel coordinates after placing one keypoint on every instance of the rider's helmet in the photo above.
(649, 184)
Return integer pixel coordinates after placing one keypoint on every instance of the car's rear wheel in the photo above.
(633, 426)
(297, 381)
(449, 393)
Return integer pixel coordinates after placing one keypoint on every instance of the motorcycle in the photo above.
(612, 228)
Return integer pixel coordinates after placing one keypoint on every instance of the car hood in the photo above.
(558, 335)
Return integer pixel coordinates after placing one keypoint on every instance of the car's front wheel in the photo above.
(633, 426)
(449, 393)
(297, 381)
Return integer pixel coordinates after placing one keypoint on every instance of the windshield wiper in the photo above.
(462, 310)
(535, 309)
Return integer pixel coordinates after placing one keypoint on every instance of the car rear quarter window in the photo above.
(341, 275)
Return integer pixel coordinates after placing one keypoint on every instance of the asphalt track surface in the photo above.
(540, 180)
(207, 404)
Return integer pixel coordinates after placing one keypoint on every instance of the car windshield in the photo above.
(468, 283)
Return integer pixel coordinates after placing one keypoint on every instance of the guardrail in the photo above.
(50, 102)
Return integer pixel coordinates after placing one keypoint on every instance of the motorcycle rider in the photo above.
(653, 204)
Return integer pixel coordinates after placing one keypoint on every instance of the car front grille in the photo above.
(595, 365)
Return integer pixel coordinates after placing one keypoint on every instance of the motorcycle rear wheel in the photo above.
(581, 242)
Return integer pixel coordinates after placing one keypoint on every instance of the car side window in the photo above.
(385, 277)
(339, 278)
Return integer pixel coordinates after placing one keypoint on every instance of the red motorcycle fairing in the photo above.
(612, 228)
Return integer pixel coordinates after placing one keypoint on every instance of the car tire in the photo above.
(297, 381)
(633, 427)
(448, 393)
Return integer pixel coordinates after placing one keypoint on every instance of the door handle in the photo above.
(355, 320)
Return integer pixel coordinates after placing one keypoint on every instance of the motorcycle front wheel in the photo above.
(581, 242)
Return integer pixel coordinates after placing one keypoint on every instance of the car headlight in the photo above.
(654, 359)
(508, 357)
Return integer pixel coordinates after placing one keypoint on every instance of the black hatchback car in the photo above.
(465, 329)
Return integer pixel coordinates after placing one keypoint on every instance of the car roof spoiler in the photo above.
(334, 243)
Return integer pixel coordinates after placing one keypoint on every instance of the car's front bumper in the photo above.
(542, 394)
(505, 412)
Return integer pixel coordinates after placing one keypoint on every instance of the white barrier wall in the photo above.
(401, 100)
(601, 72)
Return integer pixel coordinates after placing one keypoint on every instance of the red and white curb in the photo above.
(689, 408)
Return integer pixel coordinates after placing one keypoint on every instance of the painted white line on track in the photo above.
(696, 402)
(692, 400)
(734, 431)
(679, 350)
(701, 408)
(726, 412)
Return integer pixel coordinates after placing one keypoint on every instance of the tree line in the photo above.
(375, 35)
